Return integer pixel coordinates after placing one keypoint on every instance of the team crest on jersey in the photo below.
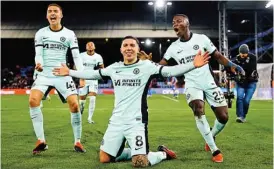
(136, 71)
(62, 39)
(196, 47)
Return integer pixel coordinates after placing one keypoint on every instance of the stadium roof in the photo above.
(100, 19)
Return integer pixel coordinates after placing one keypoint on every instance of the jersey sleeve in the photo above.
(73, 42)
(209, 45)
(38, 48)
(107, 72)
(168, 54)
(100, 60)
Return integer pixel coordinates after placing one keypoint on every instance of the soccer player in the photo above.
(200, 83)
(51, 45)
(91, 60)
(129, 118)
(171, 82)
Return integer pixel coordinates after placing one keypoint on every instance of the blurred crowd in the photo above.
(17, 77)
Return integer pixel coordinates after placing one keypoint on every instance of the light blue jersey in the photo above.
(131, 83)
(54, 46)
(183, 52)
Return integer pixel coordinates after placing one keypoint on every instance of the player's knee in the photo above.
(104, 157)
(74, 107)
(140, 161)
(223, 117)
(34, 102)
(198, 109)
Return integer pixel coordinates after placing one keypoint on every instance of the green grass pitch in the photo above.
(244, 146)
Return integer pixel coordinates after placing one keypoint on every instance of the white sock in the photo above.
(217, 128)
(156, 157)
(37, 121)
(76, 122)
(125, 155)
(92, 100)
(204, 129)
(82, 105)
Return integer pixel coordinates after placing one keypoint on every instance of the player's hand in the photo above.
(143, 56)
(82, 83)
(201, 59)
(61, 71)
(39, 67)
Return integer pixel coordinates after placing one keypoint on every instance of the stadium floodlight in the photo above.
(229, 30)
(271, 2)
(142, 42)
(150, 3)
(168, 40)
(160, 3)
(169, 3)
(244, 21)
(148, 42)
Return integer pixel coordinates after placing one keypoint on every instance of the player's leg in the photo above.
(93, 89)
(66, 89)
(195, 100)
(112, 143)
(216, 100)
(36, 95)
(240, 103)
(83, 91)
(248, 96)
(92, 103)
(137, 136)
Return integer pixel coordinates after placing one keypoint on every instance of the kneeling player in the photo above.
(129, 118)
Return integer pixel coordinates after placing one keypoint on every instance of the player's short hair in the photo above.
(131, 37)
(55, 4)
(183, 15)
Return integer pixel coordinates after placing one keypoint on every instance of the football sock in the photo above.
(217, 128)
(76, 125)
(156, 157)
(37, 121)
(82, 105)
(91, 109)
(204, 129)
(125, 155)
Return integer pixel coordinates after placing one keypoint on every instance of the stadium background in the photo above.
(105, 23)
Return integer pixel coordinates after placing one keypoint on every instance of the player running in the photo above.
(200, 84)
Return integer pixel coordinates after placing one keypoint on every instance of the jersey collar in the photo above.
(132, 63)
(57, 30)
(181, 40)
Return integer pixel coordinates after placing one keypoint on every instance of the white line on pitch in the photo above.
(170, 98)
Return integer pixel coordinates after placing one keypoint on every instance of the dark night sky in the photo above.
(30, 12)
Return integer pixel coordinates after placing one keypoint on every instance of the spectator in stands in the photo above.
(246, 85)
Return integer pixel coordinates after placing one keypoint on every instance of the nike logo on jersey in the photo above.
(138, 148)
(180, 51)
(118, 71)
(45, 38)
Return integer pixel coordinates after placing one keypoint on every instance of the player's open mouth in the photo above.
(176, 30)
(53, 19)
